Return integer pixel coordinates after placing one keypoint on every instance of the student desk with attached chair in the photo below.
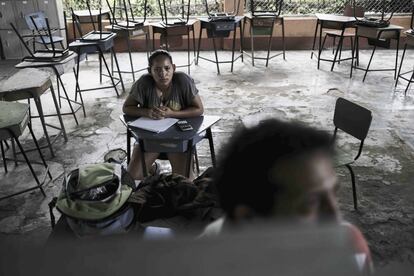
(336, 22)
(173, 139)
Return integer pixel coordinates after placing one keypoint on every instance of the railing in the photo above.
(290, 7)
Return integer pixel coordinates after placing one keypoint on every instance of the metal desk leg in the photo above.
(144, 166)
(370, 60)
(269, 46)
(196, 161)
(189, 157)
(59, 80)
(188, 49)
(58, 90)
(194, 41)
(252, 41)
(409, 83)
(3, 156)
(341, 40)
(199, 42)
(396, 56)
(211, 144)
(215, 53)
(242, 38)
(42, 119)
(402, 60)
(76, 73)
(320, 48)
(119, 70)
(39, 184)
(107, 69)
(283, 38)
(100, 67)
(128, 145)
(353, 53)
(130, 56)
(314, 37)
(62, 126)
(39, 151)
(233, 46)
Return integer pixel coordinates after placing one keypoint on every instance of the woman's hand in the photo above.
(155, 113)
(168, 112)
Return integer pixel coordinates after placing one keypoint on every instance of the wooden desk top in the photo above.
(39, 64)
(12, 114)
(85, 13)
(335, 18)
(26, 80)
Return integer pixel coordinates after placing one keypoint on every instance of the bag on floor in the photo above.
(93, 200)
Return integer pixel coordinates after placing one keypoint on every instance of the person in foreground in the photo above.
(294, 181)
(162, 93)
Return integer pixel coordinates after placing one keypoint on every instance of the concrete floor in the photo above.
(291, 89)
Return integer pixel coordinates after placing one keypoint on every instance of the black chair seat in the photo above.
(338, 33)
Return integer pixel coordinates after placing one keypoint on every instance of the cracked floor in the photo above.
(293, 89)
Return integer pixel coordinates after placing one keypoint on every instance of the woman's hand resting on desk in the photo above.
(158, 113)
(155, 113)
(168, 112)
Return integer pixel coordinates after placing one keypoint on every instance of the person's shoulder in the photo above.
(182, 77)
(146, 78)
(143, 83)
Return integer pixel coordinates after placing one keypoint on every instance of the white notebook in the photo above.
(153, 125)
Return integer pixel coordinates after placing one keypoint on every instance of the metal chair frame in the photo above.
(263, 19)
(94, 41)
(178, 27)
(38, 23)
(354, 120)
(128, 27)
(409, 41)
(356, 12)
(219, 25)
(51, 61)
(15, 138)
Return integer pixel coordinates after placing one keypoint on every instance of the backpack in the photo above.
(93, 200)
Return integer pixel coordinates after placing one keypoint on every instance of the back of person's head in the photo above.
(277, 169)
(156, 54)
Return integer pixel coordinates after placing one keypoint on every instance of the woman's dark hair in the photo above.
(242, 175)
(156, 54)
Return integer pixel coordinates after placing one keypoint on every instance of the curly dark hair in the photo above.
(242, 175)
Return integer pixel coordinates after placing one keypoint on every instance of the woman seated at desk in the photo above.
(162, 93)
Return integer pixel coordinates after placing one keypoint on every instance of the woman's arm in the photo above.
(195, 109)
(131, 108)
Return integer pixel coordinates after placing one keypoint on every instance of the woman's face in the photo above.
(162, 71)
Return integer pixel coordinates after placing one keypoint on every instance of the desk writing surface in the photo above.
(199, 124)
(71, 56)
(85, 13)
(335, 18)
